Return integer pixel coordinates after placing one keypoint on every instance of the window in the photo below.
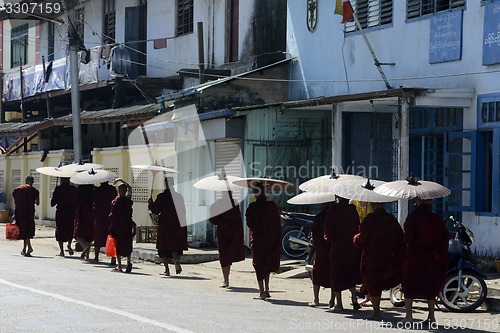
(371, 13)
(488, 154)
(109, 22)
(80, 22)
(418, 8)
(19, 46)
(184, 17)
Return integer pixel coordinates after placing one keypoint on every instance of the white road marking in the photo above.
(99, 307)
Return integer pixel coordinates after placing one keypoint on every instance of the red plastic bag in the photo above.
(110, 246)
(12, 231)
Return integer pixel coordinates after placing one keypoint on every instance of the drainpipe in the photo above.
(404, 152)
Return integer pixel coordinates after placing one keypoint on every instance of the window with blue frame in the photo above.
(488, 155)
(419, 8)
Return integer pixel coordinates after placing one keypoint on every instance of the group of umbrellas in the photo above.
(325, 188)
(92, 173)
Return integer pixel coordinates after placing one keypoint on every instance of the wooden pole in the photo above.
(21, 82)
(377, 63)
(201, 52)
(47, 100)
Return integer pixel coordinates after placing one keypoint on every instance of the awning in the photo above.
(129, 113)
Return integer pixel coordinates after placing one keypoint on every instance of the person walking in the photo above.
(382, 242)
(121, 225)
(172, 229)
(25, 198)
(341, 224)
(424, 269)
(84, 219)
(264, 222)
(103, 195)
(321, 265)
(64, 198)
(225, 214)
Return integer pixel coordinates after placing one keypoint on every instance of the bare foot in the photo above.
(61, 254)
(356, 306)
(313, 304)
(224, 285)
(336, 308)
(268, 295)
(366, 303)
(70, 251)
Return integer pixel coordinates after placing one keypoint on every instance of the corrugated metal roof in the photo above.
(132, 112)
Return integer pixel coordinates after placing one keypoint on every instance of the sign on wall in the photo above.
(491, 34)
(445, 37)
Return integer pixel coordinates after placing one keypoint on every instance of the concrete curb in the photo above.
(187, 258)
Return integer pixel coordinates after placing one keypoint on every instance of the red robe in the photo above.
(64, 198)
(427, 239)
(321, 266)
(264, 222)
(102, 197)
(382, 242)
(121, 224)
(25, 198)
(229, 231)
(341, 224)
(172, 229)
(84, 217)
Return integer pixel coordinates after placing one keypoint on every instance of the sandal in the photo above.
(224, 285)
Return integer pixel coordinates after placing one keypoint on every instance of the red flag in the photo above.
(344, 8)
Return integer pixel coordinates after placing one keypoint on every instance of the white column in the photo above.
(336, 138)
(404, 153)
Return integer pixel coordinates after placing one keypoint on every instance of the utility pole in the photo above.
(75, 44)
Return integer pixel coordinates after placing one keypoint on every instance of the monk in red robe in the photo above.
(171, 238)
(321, 266)
(341, 224)
(264, 222)
(84, 219)
(102, 198)
(25, 198)
(226, 216)
(424, 269)
(383, 247)
(64, 199)
(121, 226)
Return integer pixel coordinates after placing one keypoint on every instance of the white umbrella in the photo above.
(311, 198)
(269, 183)
(93, 177)
(153, 167)
(360, 190)
(413, 187)
(221, 182)
(79, 167)
(56, 172)
(323, 183)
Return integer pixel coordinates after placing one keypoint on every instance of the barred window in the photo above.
(418, 8)
(109, 23)
(371, 13)
(19, 46)
(184, 17)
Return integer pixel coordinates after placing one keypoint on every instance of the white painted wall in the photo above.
(334, 65)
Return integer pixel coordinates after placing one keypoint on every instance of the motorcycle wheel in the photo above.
(293, 250)
(471, 295)
(397, 296)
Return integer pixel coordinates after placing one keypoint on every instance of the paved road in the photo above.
(53, 294)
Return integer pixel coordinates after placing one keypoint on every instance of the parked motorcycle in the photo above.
(464, 289)
(296, 226)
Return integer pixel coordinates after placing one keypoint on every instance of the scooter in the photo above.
(464, 289)
(296, 226)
